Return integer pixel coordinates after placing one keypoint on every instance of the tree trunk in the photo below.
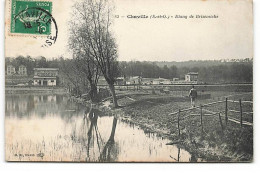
(112, 90)
(112, 135)
(93, 93)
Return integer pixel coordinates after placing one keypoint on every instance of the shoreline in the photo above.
(200, 146)
(35, 90)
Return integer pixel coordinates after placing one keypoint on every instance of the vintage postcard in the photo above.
(129, 80)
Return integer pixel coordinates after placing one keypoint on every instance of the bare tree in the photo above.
(90, 71)
(84, 62)
(73, 76)
(94, 39)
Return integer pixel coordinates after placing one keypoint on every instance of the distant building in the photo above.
(22, 70)
(10, 70)
(191, 76)
(45, 76)
(120, 81)
(161, 81)
(134, 80)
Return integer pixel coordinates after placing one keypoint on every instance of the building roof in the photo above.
(161, 79)
(192, 73)
(135, 77)
(121, 78)
(44, 77)
(50, 69)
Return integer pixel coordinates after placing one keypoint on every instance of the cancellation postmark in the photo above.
(34, 18)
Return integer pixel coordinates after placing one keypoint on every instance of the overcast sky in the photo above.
(226, 37)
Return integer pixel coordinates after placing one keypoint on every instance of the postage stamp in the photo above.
(31, 17)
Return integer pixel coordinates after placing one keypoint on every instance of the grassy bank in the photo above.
(151, 112)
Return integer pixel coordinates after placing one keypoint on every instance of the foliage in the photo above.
(222, 72)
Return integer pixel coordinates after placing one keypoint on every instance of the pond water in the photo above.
(53, 128)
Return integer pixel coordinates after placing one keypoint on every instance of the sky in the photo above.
(230, 36)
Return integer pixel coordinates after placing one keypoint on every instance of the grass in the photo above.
(233, 144)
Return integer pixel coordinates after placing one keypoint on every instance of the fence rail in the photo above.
(202, 109)
(233, 101)
(239, 112)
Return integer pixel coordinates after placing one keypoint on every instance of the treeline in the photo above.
(223, 72)
(203, 63)
(147, 70)
(30, 63)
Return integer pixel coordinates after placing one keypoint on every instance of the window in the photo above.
(52, 80)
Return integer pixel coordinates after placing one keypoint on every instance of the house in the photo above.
(191, 77)
(134, 80)
(10, 70)
(120, 81)
(45, 76)
(161, 81)
(22, 70)
(102, 81)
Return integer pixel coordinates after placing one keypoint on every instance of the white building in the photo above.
(191, 76)
(161, 81)
(134, 80)
(10, 70)
(22, 70)
(45, 76)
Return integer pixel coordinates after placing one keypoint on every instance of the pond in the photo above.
(53, 128)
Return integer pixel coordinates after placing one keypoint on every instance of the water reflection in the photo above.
(52, 128)
(110, 152)
(107, 151)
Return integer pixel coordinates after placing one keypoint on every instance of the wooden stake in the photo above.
(179, 130)
(220, 121)
(201, 122)
(241, 113)
(226, 109)
(179, 151)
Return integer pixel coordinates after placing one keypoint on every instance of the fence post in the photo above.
(241, 113)
(226, 109)
(179, 130)
(179, 150)
(201, 123)
(220, 121)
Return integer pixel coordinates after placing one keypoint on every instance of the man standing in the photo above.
(193, 95)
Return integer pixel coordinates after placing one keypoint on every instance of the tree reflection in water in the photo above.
(107, 151)
(178, 156)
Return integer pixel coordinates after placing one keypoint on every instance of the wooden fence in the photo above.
(220, 114)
